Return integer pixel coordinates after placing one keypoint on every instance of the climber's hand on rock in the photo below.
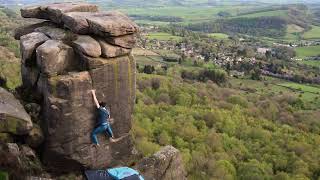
(93, 91)
(111, 120)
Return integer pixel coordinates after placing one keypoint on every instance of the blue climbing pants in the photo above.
(103, 128)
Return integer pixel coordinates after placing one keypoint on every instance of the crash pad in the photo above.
(120, 173)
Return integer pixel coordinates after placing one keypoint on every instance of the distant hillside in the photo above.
(270, 22)
(152, 3)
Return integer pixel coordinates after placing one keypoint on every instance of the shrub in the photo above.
(163, 98)
(146, 147)
(238, 100)
(155, 83)
(148, 69)
(164, 138)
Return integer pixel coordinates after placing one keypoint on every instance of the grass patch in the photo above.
(149, 60)
(307, 93)
(188, 13)
(313, 63)
(314, 33)
(11, 71)
(219, 35)
(307, 51)
(293, 32)
(163, 36)
(277, 13)
(273, 86)
(292, 28)
(302, 87)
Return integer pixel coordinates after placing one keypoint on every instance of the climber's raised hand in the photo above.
(93, 91)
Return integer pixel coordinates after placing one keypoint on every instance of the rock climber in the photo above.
(104, 120)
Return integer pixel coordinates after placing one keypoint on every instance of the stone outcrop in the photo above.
(87, 46)
(20, 31)
(54, 12)
(109, 51)
(13, 118)
(79, 49)
(18, 160)
(28, 45)
(55, 58)
(164, 165)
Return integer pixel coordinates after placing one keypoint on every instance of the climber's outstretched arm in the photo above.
(95, 98)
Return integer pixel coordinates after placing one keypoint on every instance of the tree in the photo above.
(268, 55)
(256, 74)
(254, 170)
(222, 169)
(148, 69)
(284, 53)
(223, 14)
(164, 138)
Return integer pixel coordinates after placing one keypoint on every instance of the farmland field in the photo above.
(293, 32)
(277, 86)
(149, 60)
(218, 35)
(292, 28)
(313, 63)
(188, 14)
(306, 92)
(279, 13)
(306, 51)
(302, 87)
(314, 33)
(163, 36)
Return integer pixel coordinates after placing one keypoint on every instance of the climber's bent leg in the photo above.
(97, 130)
(109, 131)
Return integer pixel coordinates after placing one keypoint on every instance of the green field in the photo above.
(277, 86)
(163, 36)
(147, 22)
(278, 13)
(307, 93)
(149, 60)
(314, 33)
(302, 87)
(293, 32)
(189, 14)
(289, 36)
(292, 28)
(313, 63)
(218, 35)
(306, 51)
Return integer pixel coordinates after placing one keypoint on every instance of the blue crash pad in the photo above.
(121, 173)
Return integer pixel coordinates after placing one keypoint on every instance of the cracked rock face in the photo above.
(87, 45)
(72, 55)
(110, 51)
(28, 45)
